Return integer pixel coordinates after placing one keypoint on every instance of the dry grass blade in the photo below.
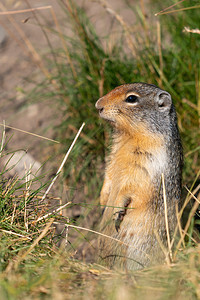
(66, 233)
(63, 162)
(179, 227)
(189, 197)
(163, 248)
(180, 213)
(3, 138)
(160, 52)
(177, 10)
(166, 217)
(34, 134)
(102, 79)
(192, 213)
(192, 105)
(14, 211)
(16, 234)
(54, 211)
(9, 186)
(192, 194)
(167, 8)
(14, 12)
(197, 243)
(187, 29)
(27, 193)
(104, 235)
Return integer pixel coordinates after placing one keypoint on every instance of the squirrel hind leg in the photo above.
(121, 213)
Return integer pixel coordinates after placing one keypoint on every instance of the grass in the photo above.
(155, 50)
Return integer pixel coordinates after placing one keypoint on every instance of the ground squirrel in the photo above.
(146, 144)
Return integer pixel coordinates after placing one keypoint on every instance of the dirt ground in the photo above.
(17, 64)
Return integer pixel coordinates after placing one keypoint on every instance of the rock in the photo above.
(21, 164)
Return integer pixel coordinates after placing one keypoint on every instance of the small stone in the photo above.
(21, 164)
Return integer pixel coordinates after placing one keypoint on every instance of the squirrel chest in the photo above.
(133, 168)
(146, 144)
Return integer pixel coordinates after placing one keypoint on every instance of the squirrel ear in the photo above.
(164, 101)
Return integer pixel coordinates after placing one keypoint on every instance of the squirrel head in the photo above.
(135, 106)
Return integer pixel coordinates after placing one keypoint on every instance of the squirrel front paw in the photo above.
(119, 218)
(121, 213)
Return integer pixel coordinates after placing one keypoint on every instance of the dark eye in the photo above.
(132, 99)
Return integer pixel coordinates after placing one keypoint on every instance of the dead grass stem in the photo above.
(31, 133)
(63, 162)
(166, 219)
(191, 215)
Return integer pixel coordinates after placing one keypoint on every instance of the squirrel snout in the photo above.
(101, 109)
(98, 106)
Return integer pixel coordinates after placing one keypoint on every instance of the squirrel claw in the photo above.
(121, 214)
(119, 219)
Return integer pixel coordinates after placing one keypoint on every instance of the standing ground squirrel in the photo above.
(146, 144)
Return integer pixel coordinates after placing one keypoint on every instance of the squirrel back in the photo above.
(146, 144)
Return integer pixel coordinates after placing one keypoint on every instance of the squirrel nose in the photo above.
(98, 106)
(100, 109)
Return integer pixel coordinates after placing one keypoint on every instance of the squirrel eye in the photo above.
(132, 99)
